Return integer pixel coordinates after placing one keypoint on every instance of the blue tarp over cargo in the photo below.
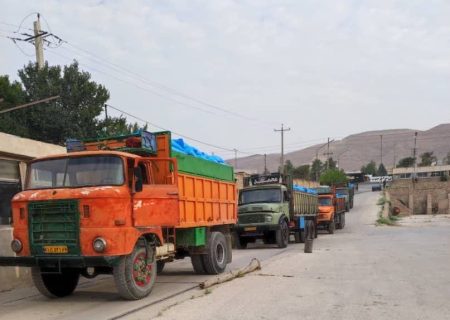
(304, 189)
(180, 146)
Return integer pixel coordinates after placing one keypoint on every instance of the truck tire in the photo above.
(55, 285)
(308, 246)
(331, 226)
(197, 264)
(215, 260)
(160, 266)
(282, 234)
(135, 274)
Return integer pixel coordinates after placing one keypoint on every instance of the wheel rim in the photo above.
(220, 253)
(142, 270)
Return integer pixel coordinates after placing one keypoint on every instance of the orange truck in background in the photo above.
(331, 209)
(123, 206)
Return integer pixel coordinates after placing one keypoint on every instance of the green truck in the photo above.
(272, 208)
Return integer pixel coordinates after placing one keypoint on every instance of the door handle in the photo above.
(172, 193)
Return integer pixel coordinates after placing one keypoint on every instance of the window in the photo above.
(9, 186)
(405, 176)
(422, 174)
(437, 173)
(76, 172)
(260, 196)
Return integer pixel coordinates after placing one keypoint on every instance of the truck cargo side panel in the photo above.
(205, 202)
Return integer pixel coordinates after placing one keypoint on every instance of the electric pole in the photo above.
(328, 153)
(38, 44)
(235, 158)
(282, 146)
(415, 155)
(265, 164)
(381, 149)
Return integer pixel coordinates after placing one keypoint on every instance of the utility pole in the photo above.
(235, 158)
(38, 43)
(328, 153)
(381, 149)
(282, 146)
(415, 156)
(265, 164)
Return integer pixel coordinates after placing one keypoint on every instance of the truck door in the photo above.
(157, 203)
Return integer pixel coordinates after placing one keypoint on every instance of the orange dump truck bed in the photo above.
(205, 202)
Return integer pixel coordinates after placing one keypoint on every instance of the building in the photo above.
(15, 152)
(421, 172)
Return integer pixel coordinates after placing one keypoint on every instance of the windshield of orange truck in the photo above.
(259, 196)
(325, 202)
(76, 172)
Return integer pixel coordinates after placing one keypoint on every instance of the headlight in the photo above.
(16, 245)
(268, 218)
(99, 245)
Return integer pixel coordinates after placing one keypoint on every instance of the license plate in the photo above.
(250, 229)
(56, 249)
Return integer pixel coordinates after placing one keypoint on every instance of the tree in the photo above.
(74, 115)
(316, 170)
(370, 168)
(427, 159)
(406, 162)
(301, 172)
(330, 163)
(12, 95)
(446, 159)
(333, 177)
(381, 170)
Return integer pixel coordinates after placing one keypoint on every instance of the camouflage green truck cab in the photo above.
(271, 208)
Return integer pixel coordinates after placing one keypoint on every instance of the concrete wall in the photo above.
(11, 277)
(425, 193)
(19, 149)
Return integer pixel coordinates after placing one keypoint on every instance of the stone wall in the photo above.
(424, 196)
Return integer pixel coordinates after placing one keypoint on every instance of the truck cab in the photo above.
(331, 209)
(263, 213)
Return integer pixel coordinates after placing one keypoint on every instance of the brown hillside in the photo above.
(357, 150)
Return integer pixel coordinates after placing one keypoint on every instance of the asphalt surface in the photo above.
(363, 271)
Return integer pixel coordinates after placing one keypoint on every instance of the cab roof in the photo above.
(91, 153)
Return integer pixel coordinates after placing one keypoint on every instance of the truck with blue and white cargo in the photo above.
(347, 191)
(271, 207)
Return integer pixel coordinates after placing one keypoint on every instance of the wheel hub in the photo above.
(142, 270)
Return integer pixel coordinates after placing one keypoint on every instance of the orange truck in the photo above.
(124, 206)
(331, 209)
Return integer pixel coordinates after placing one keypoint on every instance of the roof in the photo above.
(421, 169)
(27, 148)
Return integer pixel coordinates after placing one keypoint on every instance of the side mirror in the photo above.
(137, 179)
(287, 196)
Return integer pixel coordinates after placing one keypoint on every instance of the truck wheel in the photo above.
(55, 285)
(135, 274)
(215, 261)
(197, 264)
(282, 235)
(331, 226)
(160, 266)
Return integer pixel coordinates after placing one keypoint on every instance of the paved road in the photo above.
(360, 272)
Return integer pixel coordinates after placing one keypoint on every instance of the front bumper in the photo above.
(252, 230)
(58, 262)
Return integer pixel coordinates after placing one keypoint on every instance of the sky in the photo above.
(227, 73)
